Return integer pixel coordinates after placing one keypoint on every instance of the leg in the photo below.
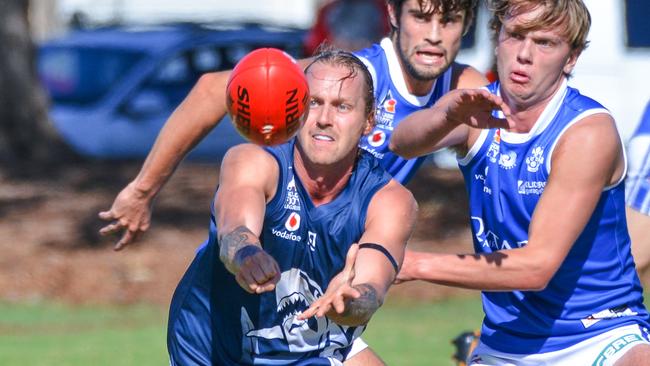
(363, 358)
(639, 355)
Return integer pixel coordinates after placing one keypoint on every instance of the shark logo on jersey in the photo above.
(377, 138)
(292, 201)
(294, 338)
(508, 161)
(385, 113)
(535, 159)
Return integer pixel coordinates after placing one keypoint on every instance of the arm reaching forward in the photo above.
(354, 295)
(448, 122)
(194, 118)
(199, 113)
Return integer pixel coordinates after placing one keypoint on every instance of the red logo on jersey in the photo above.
(293, 222)
(377, 138)
(389, 105)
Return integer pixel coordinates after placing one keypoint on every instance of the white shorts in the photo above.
(603, 350)
(357, 346)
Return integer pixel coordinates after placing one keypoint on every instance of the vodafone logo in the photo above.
(293, 222)
(376, 138)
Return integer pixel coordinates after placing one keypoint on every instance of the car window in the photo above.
(80, 76)
(638, 27)
(172, 79)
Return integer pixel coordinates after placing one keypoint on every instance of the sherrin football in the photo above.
(267, 96)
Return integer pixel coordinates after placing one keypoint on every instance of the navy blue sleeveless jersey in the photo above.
(213, 321)
(394, 103)
(596, 288)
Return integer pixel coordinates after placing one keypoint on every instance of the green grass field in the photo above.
(51, 334)
(402, 333)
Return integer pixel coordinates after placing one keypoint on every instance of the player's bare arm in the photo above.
(447, 123)
(247, 181)
(193, 119)
(371, 266)
(200, 112)
(586, 159)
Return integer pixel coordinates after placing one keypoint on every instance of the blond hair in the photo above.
(571, 17)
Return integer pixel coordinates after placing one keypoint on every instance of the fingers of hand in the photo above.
(106, 215)
(128, 237)
(310, 311)
(111, 228)
(259, 273)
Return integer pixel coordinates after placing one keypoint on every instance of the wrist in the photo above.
(235, 263)
(143, 190)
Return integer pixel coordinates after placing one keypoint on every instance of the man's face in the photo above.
(531, 64)
(427, 43)
(337, 117)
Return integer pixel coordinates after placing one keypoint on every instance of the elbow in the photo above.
(399, 149)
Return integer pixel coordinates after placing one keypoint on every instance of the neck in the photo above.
(526, 113)
(323, 182)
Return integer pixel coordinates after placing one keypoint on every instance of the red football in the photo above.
(267, 96)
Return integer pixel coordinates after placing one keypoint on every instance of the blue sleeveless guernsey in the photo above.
(394, 102)
(213, 321)
(596, 288)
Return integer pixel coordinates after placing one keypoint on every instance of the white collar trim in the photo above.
(395, 72)
(542, 122)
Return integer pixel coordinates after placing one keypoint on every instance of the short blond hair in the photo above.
(571, 16)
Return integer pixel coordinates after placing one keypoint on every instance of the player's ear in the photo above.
(370, 123)
(392, 15)
(571, 62)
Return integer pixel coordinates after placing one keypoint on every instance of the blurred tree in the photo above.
(28, 141)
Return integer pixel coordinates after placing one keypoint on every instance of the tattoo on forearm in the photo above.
(230, 243)
(364, 306)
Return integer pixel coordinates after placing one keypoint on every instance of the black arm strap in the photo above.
(384, 251)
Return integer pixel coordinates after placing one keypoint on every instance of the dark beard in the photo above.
(410, 69)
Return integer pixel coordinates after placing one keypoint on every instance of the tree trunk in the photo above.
(27, 138)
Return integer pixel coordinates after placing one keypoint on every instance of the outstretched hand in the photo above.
(478, 108)
(130, 213)
(338, 291)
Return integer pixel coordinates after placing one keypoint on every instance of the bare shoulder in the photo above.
(466, 77)
(596, 131)
(247, 151)
(395, 199)
(249, 163)
(591, 146)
